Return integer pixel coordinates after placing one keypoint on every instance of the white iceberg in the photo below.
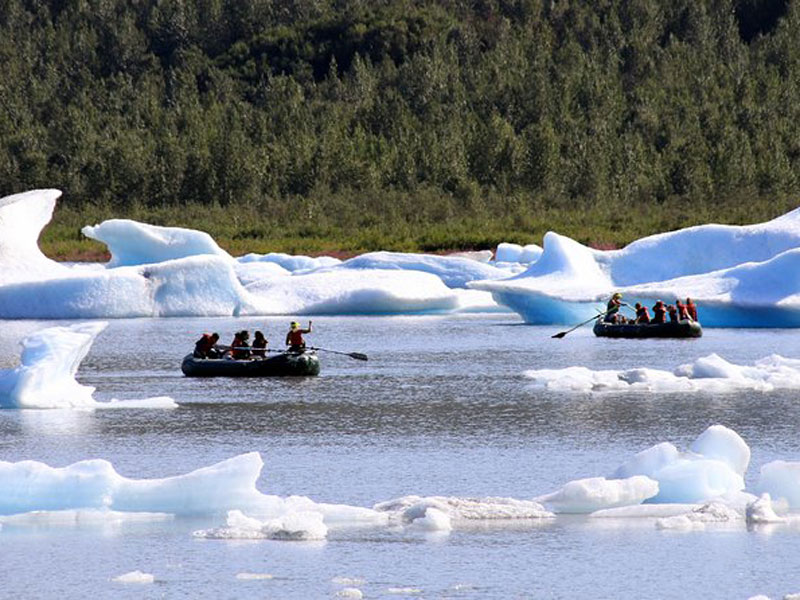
(408, 509)
(297, 526)
(598, 493)
(45, 377)
(711, 374)
(132, 243)
(171, 271)
(741, 276)
(781, 480)
(714, 466)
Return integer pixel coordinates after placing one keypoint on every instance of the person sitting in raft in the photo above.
(673, 313)
(259, 345)
(659, 312)
(294, 339)
(206, 346)
(691, 308)
(239, 346)
(683, 315)
(612, 309)
(642, 315)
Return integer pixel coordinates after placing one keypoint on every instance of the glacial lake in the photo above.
(440, 409)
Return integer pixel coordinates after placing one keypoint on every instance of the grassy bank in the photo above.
(308, 229)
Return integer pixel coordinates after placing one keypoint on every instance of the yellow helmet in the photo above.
(294, 325)
(617, 295)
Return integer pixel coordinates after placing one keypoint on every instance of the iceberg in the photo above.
(172, 272)
(599, 493)
(709, 374)
(132, 243)
(408, 509)
(714, 466)
(45, 377)
(454, 271)
(30, 486)
(741, 276)
(781, 480)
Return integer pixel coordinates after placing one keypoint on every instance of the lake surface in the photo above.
(441, 408)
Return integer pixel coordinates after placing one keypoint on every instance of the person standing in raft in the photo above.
(659, 312)
(294, 339)
(642, 315)
(259, 345)
(691, 308)
(239, 345)
(206, 346)
(612, 308)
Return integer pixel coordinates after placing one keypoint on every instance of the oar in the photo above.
(561, 334)
(356, 355)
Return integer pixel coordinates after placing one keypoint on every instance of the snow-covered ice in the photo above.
(45, 377)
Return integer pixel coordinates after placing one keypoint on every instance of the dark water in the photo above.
(440, 408)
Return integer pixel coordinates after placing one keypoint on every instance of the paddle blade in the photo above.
(560, 334)
(357, 355)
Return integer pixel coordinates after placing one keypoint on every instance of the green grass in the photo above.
(243, 229)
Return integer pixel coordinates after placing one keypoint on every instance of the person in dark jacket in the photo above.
(259, 345)
(659, 312)
(206, 346)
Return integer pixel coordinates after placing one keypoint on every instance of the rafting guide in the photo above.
(294, 338)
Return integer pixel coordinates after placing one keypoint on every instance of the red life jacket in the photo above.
(691, 308)
(296, 338)
(682, 314)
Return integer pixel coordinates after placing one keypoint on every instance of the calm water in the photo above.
(439, 409)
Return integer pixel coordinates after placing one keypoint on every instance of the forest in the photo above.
(418, 125)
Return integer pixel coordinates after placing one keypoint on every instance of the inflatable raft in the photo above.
(284, 364)
(670, 329)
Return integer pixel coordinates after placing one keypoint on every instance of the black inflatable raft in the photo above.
(670, 329)
(284, 364)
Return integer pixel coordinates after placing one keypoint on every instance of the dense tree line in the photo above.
(350, 113)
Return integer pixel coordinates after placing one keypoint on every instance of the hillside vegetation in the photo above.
(319, 125)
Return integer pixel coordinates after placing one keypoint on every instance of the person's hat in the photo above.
(295, 325)
(617, 295)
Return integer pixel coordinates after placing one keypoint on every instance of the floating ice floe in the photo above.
(134, 577)
(297, 526)
(741, 276)
(171, 271)
(440, 512)
(597, 493)
(710, 373)
(45, 377)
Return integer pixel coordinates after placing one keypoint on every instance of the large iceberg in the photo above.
(45, 377)
(170, 271)
(741, 276)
